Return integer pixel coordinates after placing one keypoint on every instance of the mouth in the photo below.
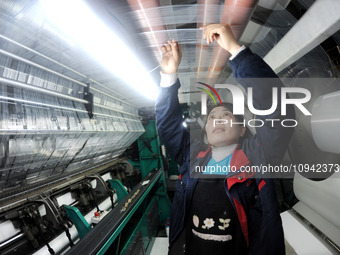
(219, 129)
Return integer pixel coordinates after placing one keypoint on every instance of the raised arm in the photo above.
(271, 140)
(168, 112)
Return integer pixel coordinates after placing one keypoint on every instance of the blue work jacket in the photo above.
(252, 195)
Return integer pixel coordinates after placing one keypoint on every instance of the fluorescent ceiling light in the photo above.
(76, 20)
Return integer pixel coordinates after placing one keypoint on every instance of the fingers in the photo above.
(211, 32)
(212, 37)
(222, 34)
(172, 54)
(172, 46)
(207, 29)
(176, 49)
(167, 46)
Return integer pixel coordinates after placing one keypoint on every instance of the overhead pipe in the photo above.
(204, 17)
(264, 9)
(320, 21)
(157, 38)
(255, 27)
(237, 14)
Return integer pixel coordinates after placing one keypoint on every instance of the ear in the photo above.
(243, 131)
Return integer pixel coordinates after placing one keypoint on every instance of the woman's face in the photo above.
(222, 133)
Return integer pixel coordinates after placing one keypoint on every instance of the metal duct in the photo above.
(318, 23)
(325, 122)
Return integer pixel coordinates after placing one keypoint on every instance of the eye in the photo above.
(226, 114)
(211, 117)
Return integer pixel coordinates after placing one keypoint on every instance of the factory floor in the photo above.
(161, 244)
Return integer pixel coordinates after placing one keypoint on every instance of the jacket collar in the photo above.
(203, 154)
(238, 160)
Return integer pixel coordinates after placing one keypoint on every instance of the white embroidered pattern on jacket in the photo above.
(196, 220)
(208, 223)
(225, 223)
(221, 238)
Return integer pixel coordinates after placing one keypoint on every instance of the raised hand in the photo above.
(172, 55)
(222, 34)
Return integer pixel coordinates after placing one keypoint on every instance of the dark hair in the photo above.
(228, 106)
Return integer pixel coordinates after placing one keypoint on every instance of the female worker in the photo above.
(239, 213)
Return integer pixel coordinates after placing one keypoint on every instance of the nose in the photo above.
(220, 122)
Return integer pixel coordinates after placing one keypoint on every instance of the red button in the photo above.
(96, 214)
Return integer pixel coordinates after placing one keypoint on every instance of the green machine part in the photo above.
(119, 188)
(164, 204)
(148, 238)
(142, 229)
(150, 211)
(150, 152)
(161, 199)
(172, 165)
(82, 226)
(150, 156)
